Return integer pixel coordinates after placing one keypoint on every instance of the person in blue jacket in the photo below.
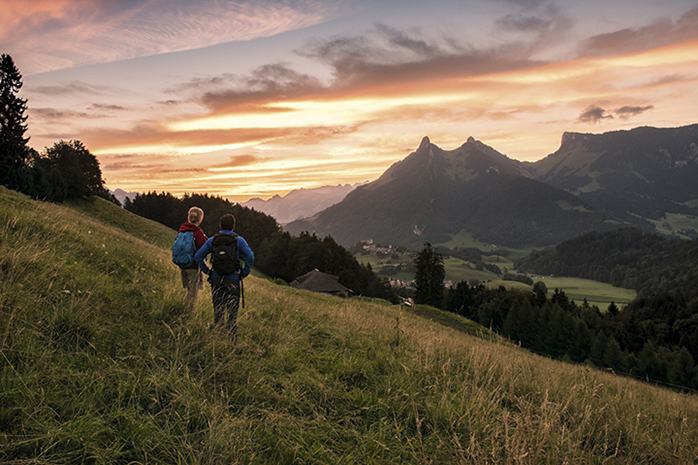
(226, 285)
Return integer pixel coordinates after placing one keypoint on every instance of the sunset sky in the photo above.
(254, 98)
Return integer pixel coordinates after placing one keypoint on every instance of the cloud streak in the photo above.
(660, 33)
(65, 33)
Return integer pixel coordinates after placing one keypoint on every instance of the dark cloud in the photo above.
(100, 106)
(266, 83)
(392, 57)
(404, 41)
(170, 102)
(75, 87)
(384, 58)
(593, 114)
(527, 3)
(628, 111)
(55, 114)
(660, 33)
(543, 21)
(525, 23)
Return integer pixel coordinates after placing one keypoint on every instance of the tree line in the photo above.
(653, 337)
(637, 339)
(278, 254)
(627, 258)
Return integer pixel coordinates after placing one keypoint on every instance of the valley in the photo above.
(577, 289)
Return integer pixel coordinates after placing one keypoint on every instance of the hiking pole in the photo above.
(242, 293)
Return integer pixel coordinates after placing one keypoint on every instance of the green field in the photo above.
(596, 293)
(464, 239)
(673, 222)
(459, 270)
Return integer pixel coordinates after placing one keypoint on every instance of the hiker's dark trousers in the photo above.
(226, 301)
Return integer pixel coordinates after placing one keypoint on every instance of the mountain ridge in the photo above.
(434, 193)
(634, 177)
(638, 175)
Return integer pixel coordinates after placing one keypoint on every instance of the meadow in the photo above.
(101, 363)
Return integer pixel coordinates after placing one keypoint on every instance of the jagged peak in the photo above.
(425, 142)
(470, 140)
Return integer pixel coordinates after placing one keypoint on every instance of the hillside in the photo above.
(101, 363)
(627, 258)
(434, 194)
(642, 176)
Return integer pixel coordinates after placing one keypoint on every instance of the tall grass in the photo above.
(101, 363)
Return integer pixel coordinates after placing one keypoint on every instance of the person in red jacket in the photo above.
(192, 278)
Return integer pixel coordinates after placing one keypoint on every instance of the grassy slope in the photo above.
(101, 363)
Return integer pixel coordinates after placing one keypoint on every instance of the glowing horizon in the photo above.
(311, 93)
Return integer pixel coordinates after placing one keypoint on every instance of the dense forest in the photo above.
(653, 338)
(277, 254)
(626, 258)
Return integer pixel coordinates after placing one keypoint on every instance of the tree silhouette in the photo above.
(77, 166)
(13, 144)
(429, 277)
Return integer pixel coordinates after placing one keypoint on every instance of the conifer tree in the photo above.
(13, 144)
(429, 277)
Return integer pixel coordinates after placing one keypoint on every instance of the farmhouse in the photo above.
(317, 281)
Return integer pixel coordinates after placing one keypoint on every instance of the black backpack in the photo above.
(223, 252)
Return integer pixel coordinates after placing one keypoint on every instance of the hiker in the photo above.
(226, 273)
(192, 279)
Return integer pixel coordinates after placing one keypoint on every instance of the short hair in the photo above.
(227, 222)
(195, 214)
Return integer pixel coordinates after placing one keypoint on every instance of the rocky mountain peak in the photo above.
(425, 143)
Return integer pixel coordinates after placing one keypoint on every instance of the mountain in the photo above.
(300, 203)
(434, 194)
(121, 195)
(638, 176)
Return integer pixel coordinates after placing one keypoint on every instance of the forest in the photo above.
(653, 338)
(278, 254)
(628, 258)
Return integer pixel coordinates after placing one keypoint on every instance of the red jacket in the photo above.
(199, 236)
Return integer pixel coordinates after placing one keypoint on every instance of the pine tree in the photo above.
(13, 144)
(429, 277)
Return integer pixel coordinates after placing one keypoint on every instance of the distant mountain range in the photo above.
(301, 203)
(645, 177)
(121, 195)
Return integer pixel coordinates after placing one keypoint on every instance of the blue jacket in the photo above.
(243, 253)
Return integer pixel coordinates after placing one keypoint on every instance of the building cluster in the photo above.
(373, 248)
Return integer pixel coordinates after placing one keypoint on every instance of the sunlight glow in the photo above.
(310, 113)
